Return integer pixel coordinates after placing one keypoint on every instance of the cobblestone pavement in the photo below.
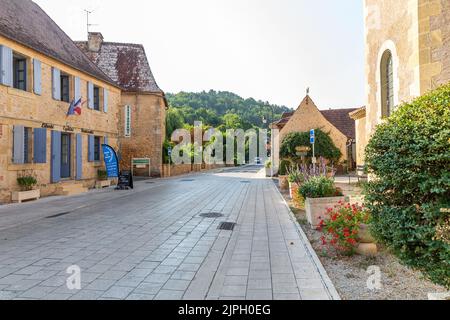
(153, 243)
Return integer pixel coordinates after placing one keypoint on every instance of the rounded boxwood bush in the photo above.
(324, 146)
(409, 158)
(285, 165)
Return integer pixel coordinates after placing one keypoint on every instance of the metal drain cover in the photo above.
(211, 215)
(227, 226)
(187, 180)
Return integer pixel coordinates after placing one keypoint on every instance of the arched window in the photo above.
(387, 84)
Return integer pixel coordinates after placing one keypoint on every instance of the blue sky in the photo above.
(267, 49)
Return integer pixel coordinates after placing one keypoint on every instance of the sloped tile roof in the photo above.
(340, 118)
(125, 63)
(23, 21)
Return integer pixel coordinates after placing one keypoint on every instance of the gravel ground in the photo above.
(350, 276)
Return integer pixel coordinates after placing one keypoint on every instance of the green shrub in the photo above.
(26, 181)
(318, 187)
(324, 146)
(268, 164)
(285, 165)
(409, 155)
(102, 175)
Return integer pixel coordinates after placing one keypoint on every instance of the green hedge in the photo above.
(410, 157)
(324, 146)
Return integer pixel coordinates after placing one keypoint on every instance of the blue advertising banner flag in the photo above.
(111, 161)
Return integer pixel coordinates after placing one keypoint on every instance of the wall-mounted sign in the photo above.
(87, 131)
(68, 129)
(47, 126)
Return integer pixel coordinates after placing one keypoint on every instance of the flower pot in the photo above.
(284, 183)
(20, 196)
(268, 172)
(367, 249)
(364, 235)
(103, 184)
(293, 188)
(317, 209)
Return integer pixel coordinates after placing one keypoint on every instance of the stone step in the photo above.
(71, 189)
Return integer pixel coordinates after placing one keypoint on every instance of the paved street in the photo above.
(154, 243)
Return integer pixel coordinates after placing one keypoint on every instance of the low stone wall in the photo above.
(177, 170)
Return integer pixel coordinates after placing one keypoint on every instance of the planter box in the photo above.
(103, 184)
(21, 196)
(284, 183)
(268, 172)
(316, 209)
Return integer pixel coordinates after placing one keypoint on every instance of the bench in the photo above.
(359, 174)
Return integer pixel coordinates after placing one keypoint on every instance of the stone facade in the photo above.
(307, 117)
(31, 110)
(417, 33)
(148, 114)
(127, 64)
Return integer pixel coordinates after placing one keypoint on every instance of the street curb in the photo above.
(334, 295)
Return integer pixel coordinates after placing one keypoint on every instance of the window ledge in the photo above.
(27, 166)
(20, 93)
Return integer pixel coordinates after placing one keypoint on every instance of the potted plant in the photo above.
(346, 229)
(268, 166)
(102, 179)
(283, 174)
(320, 194)
(27, 182)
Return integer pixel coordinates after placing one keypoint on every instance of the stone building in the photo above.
(42, 71)
(407, 54)
(143, 104)
(336, 122)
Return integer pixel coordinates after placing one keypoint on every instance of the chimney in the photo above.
(95, 41)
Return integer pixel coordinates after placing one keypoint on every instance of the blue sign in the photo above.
(312, 135)
(313, 140)
(111, 161)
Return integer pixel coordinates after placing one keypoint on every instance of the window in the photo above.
(96, 148)
(387, 84)
(127, 130)
(19, 72)
(22, 145)
(65, 88)
(96, 98)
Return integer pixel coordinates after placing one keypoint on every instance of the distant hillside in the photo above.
(219, 109)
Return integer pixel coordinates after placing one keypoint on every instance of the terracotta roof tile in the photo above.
(125, 63)
(340, 118)
(25, 22)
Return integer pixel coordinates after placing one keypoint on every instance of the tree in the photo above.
(324, 146)
(174, 121)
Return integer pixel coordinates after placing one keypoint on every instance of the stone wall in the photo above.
(177, 170)
(148, 117)
(30, 110)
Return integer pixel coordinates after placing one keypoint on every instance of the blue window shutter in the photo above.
(77, 89)
(91, 148)
(40, 145)
(18, 147)
(6, 66)
(56, 157)
(56, 84)
(37, 75)
(90, 95)
(105, 100)
(79, 157)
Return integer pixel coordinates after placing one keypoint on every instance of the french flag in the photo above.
(75, 108)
